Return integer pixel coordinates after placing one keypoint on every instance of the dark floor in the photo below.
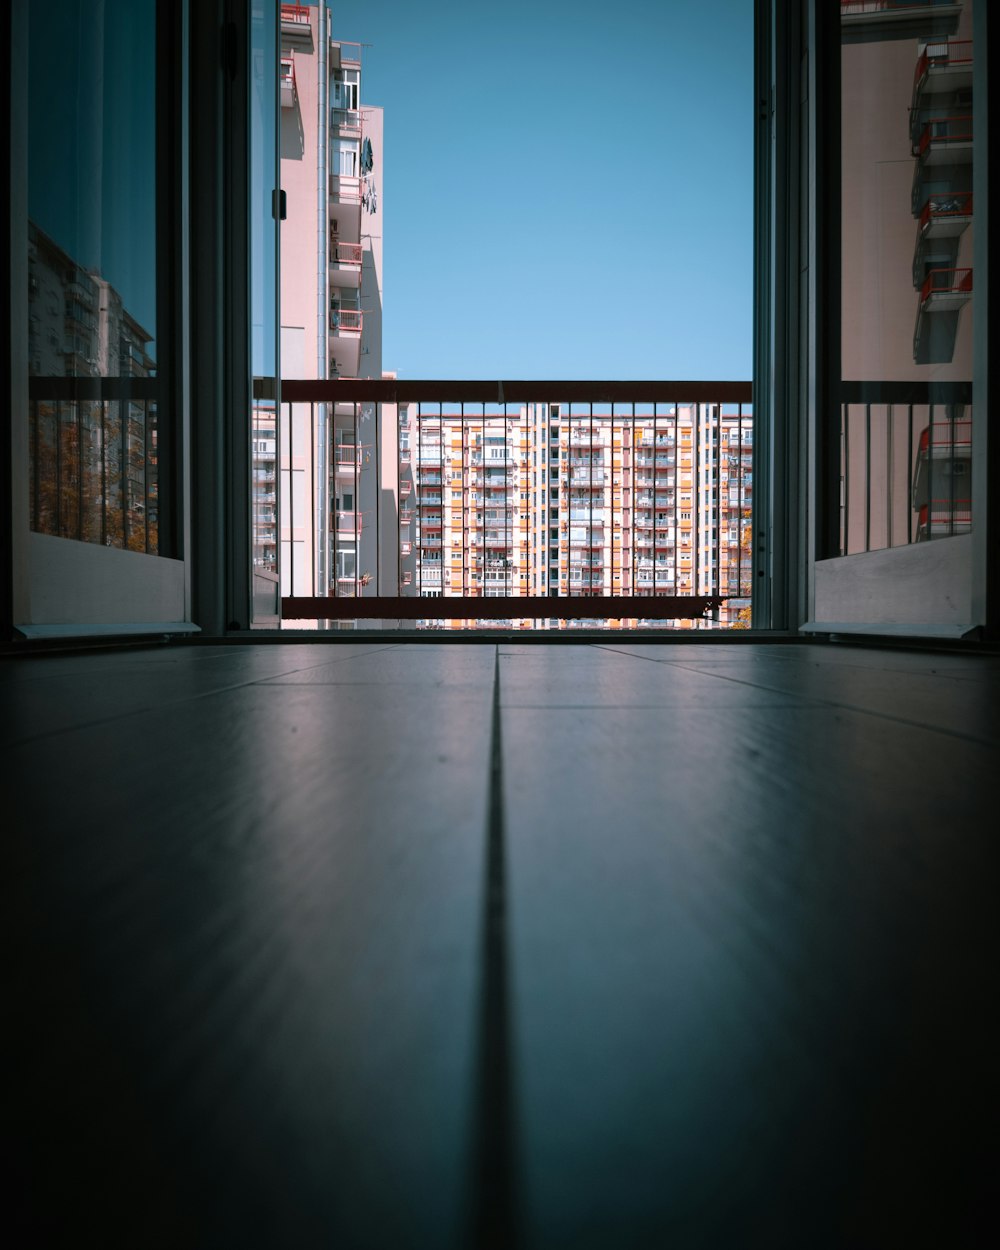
(399, 946)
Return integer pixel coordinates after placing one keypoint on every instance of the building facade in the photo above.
(315, 470)
(558, 500)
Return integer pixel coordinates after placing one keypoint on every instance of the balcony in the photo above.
(345, 123)
(943, 518)
(345, 263)
(946, 216)
(295, 21)
(897, 19)
(945, 141)
(345, 341)
(345, 55)
(944, 462)
(600, 555)
(942, 67)
(348, 523)
(349, 458)
(286, 81)
(345, 207)
(946, 290)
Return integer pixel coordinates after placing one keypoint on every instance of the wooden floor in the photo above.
(374, 945)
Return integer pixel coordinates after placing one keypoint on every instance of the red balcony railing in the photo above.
(942, 131)
(946, 282)
(943, 207)
(951, 52)
(298, 13)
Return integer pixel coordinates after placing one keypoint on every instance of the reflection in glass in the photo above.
(92, 247)
(264, 300)
(907, 283)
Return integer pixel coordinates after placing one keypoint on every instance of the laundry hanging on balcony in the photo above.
(369, 198)
(367, 157)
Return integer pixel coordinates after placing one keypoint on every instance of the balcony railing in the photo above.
(286, 80)
(346, 122)
(346, 320)
(941, 133)
(350, 456)
(683, 587)
(345, 253)
(946, 209)
(904, 446)
(345, 189)
(949, 54)
(295, 14)
(953, 286)
(344, 52)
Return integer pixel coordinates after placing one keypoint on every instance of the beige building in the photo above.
(556, 501)
(322, 464)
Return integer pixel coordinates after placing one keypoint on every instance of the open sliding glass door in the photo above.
(96, 184)
(903, 459)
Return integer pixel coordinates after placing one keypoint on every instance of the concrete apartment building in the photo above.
(320, 468)
(907, 276)
(550, 501)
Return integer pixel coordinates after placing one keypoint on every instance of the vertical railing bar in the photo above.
(123, 426)
(676, 476)
(930, 472)
(845, 475)
(79, 468)
(952, 499)
(145, 471)
(715, 483)
(317, 561)
(399, 491)
(889, 456)
(909, 473)
(104, 474)
(695, 496)
(376, 454)
(589, 568)
(357, 500)
(35, 474)
(291, 506)
(868, 477)
(528, 573)
(59, 483)
(633, 587)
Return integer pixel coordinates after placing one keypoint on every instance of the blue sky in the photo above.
(567, 186)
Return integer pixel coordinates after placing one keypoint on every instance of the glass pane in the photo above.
(264, 305)
(92, 249)
(907, 291)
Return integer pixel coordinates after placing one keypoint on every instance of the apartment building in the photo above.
(907, 295)
(555, 499)
(94, 470)
(321, 463)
